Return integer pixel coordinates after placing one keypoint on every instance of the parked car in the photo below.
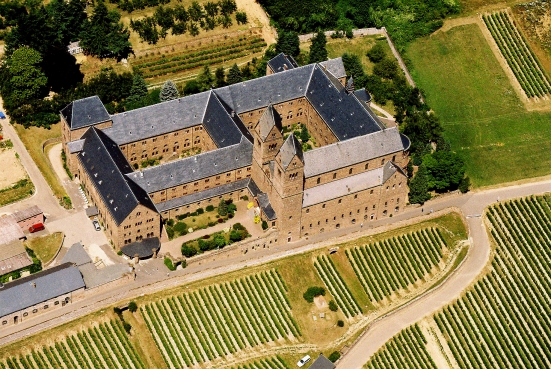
(36, 227)
(96, 225)
(303, 361)
(2, 116)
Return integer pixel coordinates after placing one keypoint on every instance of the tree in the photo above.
(312, 292)
(26, 79)
(333, 306)
(318, 50)
(222, 208)
(288, 43)
(241, 17)
(220, 77)
(219, 240)
(205, 79)
(445, 170)
(304, 135)
(138, 90)
(234, 75)
(169, 91)
(465, 184)
(418, 187)
(386, 68)
(68, 17)
(104, 36)
(376, 53)
(188, 251)
(353, 65)
(132, 306)
(335, 355)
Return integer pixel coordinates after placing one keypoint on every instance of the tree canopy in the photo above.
(169, 91)
(318, 51)
(288, 43)
(26, 79)
(138, 90)
(234, 75)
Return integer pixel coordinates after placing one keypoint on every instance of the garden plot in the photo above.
(11, 169)
(220, 320)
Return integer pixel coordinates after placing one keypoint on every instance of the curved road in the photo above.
(472, 206)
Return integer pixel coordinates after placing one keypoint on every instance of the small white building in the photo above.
(74, 48)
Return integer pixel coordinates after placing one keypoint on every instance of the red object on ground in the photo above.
(36, 227)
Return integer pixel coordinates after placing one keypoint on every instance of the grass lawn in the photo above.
(46, 247)
(33, 138)
(483, 117)
(18, 191)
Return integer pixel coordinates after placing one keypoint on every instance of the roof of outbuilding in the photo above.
(85, 112)
(266, 206)
(13, 257)
(356, 150)
(322, 363)
(27, 213)
(77, 255)
(194, 168)
(289, 149)
(106, 166)
(207, 194)
(335, 66)
(42, 286)
(9, 229)
(143, 248)
(282, 62)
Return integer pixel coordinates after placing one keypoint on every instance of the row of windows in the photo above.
(46, 306)
(154, 139)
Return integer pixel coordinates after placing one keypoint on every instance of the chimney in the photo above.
(285, 67)
(233, 113)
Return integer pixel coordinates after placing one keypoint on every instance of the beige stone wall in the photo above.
(168, 145)
(201, 185)
(38, 309)
(141, 223)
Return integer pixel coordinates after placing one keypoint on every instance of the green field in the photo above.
(483, 117)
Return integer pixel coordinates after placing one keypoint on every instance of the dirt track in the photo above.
(258, 17)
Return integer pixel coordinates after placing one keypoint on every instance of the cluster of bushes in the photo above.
(181, 20)
(151, 162)
(131, 5)
(132, 307)
(173, 265)
(216, 240)
(312, 292)
(226, 208)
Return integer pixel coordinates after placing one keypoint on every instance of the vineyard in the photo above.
(103, 346)
(215, 53)
(221, 320)
(520, 58)
(336, 286)
(396, 264)
(405, 350)
(274, 363)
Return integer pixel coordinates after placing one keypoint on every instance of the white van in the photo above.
(303, 361)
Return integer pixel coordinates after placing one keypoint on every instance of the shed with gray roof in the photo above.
(37, 288)
(322, 363)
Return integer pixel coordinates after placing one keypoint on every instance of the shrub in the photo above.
(170, 232)
(205, 245)
(170, 222)
(188, 251)
(219, 240)
(230, 215)
(127, 327)
(340, 323)
(182, 216)
(264, 225)
(235, 236)
(210, 208)
(238, 227)
(194, 214)
(333, 306)
(132, 306)
(245, 198)
(232, 208)
(169, 264)
(312, 292)
(220, 220)
(200, 211)
(335, 355)
(180, 227)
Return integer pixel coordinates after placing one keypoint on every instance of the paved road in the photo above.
(471, 206)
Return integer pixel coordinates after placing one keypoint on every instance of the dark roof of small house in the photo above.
(282, 62)
(322, 363)
(335, 66)
(206, 194)
(266, 206)
(77, 255)
(195, 167)
(363, 95)
(268, 120)
(144, 248)
(289, 149)
(85, 112)
(106, 166)
(27, 213)
(91, 211)
(37, 288)
(359, 149)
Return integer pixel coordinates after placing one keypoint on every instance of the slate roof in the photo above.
(268, 120)
(335, 66)
(143, 248)
(85, 112)
(282, 62)
(158, 119)
(266, 206)
(50, 283)
(106, 166)
(193, 168)
(322, 363)
(356, 150)
(77, 255)
(27, 213)
(289, 149)
(94, 277)
(75, 146)
(222, 128)
(363, 95)
(207, 194)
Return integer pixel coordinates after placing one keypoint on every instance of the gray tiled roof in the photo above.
(193, 168)
(322, 363)
(353, 151)
(207, 194)
(158, 119)
(85, 112)
(77, 255)
(268, 120)
(106, 166)
(289, 149)
(282, 62)
(94, 277)
(363, 95)
(143, 248)
(36, 288)
(266, 206)
(219, 124)
(335, 66)
(75, 146)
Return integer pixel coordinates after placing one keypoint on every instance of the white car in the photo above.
(96, 225)
(303, 361)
